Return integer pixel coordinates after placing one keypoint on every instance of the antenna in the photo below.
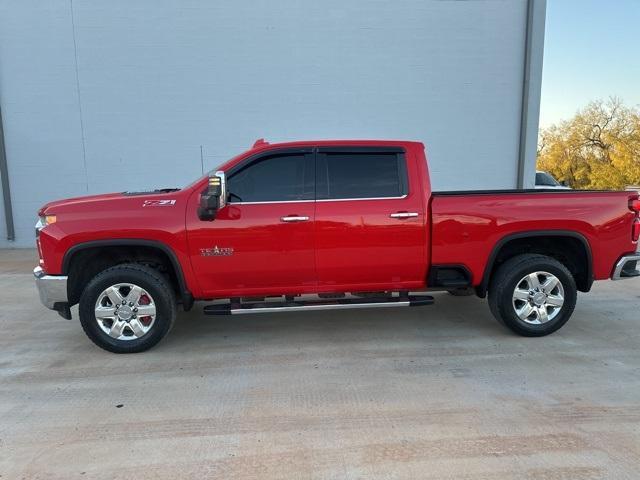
(260, 143)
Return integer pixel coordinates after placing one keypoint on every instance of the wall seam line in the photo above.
(75, 53)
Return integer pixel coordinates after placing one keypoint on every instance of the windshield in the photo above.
(543, 178)
(208, 174)
(214, 170)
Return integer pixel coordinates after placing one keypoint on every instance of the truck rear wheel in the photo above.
(534, 295)
(127, 308)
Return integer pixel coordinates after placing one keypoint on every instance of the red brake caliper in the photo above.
(145, 300)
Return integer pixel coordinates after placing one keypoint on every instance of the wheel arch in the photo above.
(153, 245)
(538, 238)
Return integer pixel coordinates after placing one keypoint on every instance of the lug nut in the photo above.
(131, 304)
(135, 309)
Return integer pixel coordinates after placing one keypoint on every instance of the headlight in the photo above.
(45, 220)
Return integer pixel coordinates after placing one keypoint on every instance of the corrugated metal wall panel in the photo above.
(110, 96)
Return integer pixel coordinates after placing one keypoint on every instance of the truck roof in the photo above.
(262, 143)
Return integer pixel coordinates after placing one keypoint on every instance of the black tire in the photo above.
(150, 280)
(505, 280)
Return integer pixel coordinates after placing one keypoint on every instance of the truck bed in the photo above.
(467, 226)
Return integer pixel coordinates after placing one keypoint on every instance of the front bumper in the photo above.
(53, 291)
(627, 267)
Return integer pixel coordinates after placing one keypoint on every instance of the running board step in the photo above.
(300, 305)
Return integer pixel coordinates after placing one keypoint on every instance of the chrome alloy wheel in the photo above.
(125, 311)
(538, 298)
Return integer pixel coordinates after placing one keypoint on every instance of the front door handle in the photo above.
(403, 215)
(294, 218)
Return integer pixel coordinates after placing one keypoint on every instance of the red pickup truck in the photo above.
(326, 225)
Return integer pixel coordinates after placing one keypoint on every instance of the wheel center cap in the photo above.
(539, 298)
(125, 312)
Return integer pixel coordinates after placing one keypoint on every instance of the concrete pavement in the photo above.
(422, 393)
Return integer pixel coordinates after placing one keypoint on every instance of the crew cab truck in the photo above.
(326, 225)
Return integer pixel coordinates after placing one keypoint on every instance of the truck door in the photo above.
(261, 242)
(370, 220)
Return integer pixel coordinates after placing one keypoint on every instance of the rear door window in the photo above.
(360, 175)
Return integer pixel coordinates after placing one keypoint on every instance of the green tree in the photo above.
(599, 148)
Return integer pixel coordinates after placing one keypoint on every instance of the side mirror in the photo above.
(213, 198)
(564, 183)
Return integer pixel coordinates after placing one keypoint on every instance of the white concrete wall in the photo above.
(109, 96)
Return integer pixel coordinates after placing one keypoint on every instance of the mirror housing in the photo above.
(213, 198)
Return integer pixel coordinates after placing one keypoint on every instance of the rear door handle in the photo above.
(294, 218)
(403, 215)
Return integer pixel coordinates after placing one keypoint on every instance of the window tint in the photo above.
(361, 175)
(274, 178)
(543, 178)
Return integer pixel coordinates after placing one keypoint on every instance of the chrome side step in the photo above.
(308, 305)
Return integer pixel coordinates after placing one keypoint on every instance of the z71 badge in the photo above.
(216, 252)
(159, 203)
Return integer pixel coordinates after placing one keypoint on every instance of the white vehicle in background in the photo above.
(546, 181)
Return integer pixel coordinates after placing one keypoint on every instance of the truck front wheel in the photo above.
(534, 295)
(127, 308)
